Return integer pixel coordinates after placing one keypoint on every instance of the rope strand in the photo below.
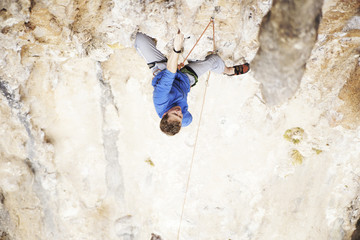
(181, 65)
(198, 128)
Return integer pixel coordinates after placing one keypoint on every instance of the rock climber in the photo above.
(171, 86)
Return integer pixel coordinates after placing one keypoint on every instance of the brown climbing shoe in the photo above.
(241, 69)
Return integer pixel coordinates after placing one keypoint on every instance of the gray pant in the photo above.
(146, 47)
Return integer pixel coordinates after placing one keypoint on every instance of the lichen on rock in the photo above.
(297, 157)
(294, 135)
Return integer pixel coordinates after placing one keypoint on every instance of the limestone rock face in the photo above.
(82, 156)
(287, 36)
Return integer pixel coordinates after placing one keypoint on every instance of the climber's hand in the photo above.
(178, 41)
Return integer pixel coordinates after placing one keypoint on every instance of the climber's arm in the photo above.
(172, 62)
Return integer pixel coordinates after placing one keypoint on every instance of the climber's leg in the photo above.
(211, 63)
(146, 47)
(195, 69)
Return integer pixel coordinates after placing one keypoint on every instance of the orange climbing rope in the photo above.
(197, 132)
(213, 24)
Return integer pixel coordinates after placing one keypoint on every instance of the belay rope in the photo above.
(213, 24)
(197, 132)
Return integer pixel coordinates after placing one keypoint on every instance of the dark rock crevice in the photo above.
(33, 160)
(114, 174)
(155, 237)
(356, 233)
(287, 36)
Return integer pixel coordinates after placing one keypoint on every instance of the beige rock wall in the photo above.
(82, 156)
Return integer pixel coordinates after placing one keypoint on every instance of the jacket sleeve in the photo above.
(162, 89)
(187, 119)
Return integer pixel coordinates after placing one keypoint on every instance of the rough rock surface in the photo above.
(82, 156)
(287, 36)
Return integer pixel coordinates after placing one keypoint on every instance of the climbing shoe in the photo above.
(241, 69)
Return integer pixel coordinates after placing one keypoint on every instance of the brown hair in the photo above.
(169, 127)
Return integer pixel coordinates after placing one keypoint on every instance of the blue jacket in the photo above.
(170, 90)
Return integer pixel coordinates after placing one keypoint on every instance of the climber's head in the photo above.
(170, 122)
